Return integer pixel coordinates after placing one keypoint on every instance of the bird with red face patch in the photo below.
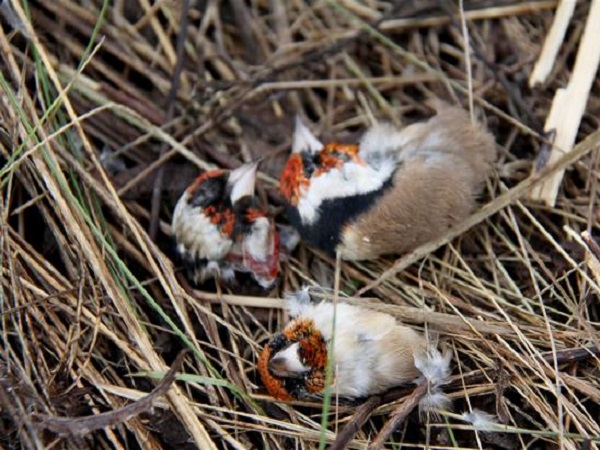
(370, 351)
(394, 191)
(221, 229)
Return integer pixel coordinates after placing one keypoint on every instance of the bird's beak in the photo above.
(304, 140)
(242, 180)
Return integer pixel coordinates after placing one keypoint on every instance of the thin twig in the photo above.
(358, 419)
(172, 96)
(495, 69)
(399, 414)
(467, 51)
(87, 424)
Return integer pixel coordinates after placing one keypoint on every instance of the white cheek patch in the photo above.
(196, 235)
(351, 179)
(291, 356)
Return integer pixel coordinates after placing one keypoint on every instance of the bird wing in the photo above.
(383, 143)
(199, 235)
(353, 323)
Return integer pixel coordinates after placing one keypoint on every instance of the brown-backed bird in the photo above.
(393, 191)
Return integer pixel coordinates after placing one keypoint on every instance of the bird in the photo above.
(370, 351)
(221, 229)
(395, 190)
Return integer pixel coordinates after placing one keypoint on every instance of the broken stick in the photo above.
(87, 424)
(569, 104)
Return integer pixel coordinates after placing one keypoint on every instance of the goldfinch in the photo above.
(221, 229)
(370, 351)
(393, 191)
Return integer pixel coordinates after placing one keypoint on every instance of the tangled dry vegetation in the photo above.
(104, 104)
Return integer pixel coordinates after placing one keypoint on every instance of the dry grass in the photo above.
(89, 299)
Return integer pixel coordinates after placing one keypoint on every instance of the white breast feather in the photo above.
(359, 335)
(357, 348)
(194, 233)
(352, 179)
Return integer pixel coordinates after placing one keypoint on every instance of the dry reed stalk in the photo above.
(554, 40)
(569, 103)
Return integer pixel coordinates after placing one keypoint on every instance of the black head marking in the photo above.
(310, 162)
(279, 342)
(243, 211)
(210, 192)
(334, 215)
(295, 386)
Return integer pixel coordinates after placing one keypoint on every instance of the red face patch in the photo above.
(273, 384)
(292, 179)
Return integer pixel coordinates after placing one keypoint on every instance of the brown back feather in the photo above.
(433, 189)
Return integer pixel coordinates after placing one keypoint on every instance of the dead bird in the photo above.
(393, 191)
(371, 351)
(221, 229)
